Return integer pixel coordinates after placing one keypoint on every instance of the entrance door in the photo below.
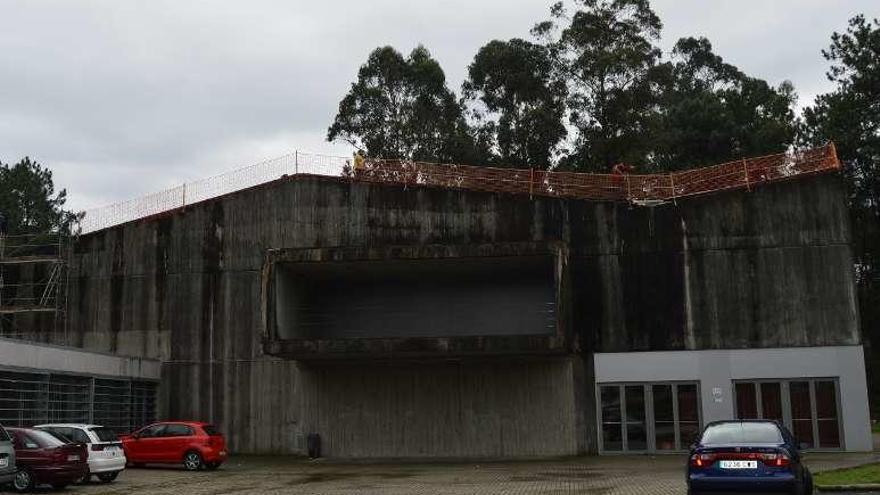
(808, 407)
(648, 417)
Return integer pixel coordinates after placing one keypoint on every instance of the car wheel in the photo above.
(108, 477)
(808, 482)
(84, 480)
(192, 461)
(23, 482)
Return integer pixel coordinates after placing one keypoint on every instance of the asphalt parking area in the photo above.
(620, 475)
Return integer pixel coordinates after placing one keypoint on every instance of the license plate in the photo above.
(4, 462)
(73, 458)
(738, 464)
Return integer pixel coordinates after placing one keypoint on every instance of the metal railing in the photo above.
(641, 189)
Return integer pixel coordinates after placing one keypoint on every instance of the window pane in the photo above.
(826, 401)
(636, 436)
(636, 433)
(635, 404)
(803, 432)
(687, 403)
(663, 403)
(688, 433)
(665, 435)
(664, 417)
(612, 438)
(829, 434)
(610, 404)
(801, 413)
(771, 401)
(746, 404)
(800, 400)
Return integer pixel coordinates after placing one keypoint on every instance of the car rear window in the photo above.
(105, 434)
(44, 439)
(211, 430)
(741, 433)
(60, 434)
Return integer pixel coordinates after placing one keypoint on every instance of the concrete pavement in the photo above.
(609, 475)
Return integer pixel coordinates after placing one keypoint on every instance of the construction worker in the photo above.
(359, 163)
(618, 171)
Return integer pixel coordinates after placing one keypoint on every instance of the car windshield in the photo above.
(105, 434)
(741, 433)
(45, 439)
(4, 437)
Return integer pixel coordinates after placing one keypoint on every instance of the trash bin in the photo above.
(313, 443)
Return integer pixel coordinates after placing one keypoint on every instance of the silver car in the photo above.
(7, 458)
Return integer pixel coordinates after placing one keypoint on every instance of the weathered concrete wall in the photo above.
(770, 268)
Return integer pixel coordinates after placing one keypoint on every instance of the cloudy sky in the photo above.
(121, 98)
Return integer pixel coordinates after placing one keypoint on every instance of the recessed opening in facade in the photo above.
(419, 298)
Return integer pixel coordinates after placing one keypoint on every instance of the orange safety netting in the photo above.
(740, 174)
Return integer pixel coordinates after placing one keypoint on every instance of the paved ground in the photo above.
(622, 475)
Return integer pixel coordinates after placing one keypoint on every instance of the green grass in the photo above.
(861, 475)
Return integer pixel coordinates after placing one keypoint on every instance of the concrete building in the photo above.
(435, 322)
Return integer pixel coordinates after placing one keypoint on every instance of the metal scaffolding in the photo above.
(34, 282)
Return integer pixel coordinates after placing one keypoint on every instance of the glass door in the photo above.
(801, 413)
(612, 424)
(636, 429)
(809, 408)
(648, 417)
(665, 432)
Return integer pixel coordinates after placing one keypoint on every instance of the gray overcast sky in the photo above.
(121, 98)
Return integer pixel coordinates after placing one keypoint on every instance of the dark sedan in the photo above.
(747, 456)
(42, 458)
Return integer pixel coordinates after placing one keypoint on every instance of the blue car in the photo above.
(746, 456)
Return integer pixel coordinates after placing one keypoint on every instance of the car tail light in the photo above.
(702, 460)
(776, 459)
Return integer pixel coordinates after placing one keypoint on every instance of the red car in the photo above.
(196, 445)
(44, 459)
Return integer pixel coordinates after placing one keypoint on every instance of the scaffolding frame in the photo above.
(34, 278)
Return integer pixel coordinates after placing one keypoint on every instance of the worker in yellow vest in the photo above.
(359, 163)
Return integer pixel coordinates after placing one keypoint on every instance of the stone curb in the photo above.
(849, 488)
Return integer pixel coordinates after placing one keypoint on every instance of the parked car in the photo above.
(196, 445)
(7, 458)
(42, 458)
(105, 456)
(747, 456)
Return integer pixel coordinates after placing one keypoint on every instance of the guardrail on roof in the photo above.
(641, 189)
